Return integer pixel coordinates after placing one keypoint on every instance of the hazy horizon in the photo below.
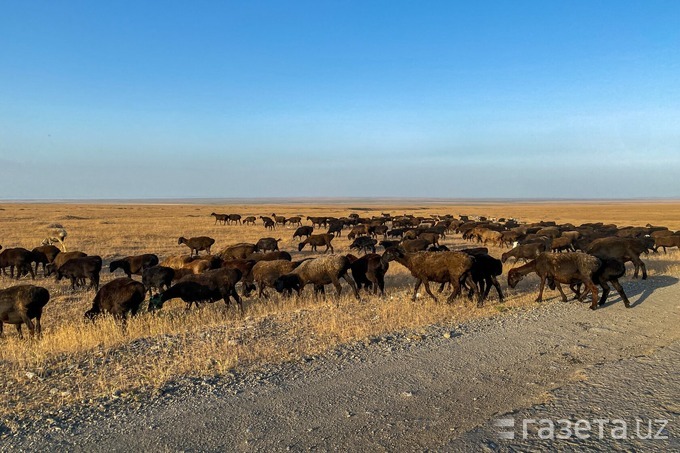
(221, 100)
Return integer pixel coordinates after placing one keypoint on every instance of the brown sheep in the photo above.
(176, 262)
(119, 297)
(18, 258)
(157, 277)
(359, 230)
(624, 249)
(61, 259)
(238, 251)
(666, 241)
(20, 304)
(197, 244)
(79, 269)
(316, 240)
(250, 220)
(369, 271)
(265, 244)
(414, 245)
(438, 267)
(222, 281)
(270, 256)
(562, 243)
(265, 273)
(296, 220)
(134, 264)
(303, 231)
(524, 252)
(562, 268)
(44, 254)
(319, 272)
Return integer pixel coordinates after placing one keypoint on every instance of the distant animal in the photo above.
(316, 240)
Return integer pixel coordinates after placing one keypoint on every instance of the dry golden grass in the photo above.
(78, 361)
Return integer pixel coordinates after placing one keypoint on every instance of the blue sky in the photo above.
(540, 99)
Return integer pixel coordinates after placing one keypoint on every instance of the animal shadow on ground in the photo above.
(640, 289)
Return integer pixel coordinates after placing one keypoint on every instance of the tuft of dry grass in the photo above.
(79, 361)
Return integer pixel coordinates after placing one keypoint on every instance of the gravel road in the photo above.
(437, 389)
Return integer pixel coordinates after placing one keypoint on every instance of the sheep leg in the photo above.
(19, 332)
(591, 286)
(494, 282)
(429, 291)
(415, 290)
(338, 287)
(29, 324)
(559, 288)
(540, 289)
(605, 292)
(619, 289)
(350, 281)
(381, 284)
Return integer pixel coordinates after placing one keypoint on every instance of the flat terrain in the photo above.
(376, 374)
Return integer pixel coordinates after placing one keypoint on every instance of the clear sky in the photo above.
(130, 99)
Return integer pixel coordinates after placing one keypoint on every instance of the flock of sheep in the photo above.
(588, 255)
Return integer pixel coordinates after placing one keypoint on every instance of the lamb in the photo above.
(157, 277)
(18, 258)
(562, 268)
(134, 264)
(86, 267)
(45, 254)
(250, 220)
(364, 243)
(265, 273)
(267, 221)
(316, 240)
(119, 297)
(20, 304)
(439, 267)
(305, 231)
(197, 244)
(237, 251)
(369, 271)
(269, 224)
(265, 244)
(624, 249)
(318, 272)
(524, 252)
(666, 242)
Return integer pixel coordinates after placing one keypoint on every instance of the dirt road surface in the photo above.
(442, 389)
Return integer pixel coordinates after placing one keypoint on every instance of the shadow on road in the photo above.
(641, 289)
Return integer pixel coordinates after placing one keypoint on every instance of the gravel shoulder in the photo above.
(439, 389)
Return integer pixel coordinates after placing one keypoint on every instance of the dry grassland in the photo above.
(79, 361)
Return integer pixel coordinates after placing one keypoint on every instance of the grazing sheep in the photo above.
(246, 269)
(438, 267)
(265, 244)
(318, 221)
(119, 297)
(265, 273)
(609, 272)
(562, 243)
(77, 269)
(369, 271)
(189, 291)
(197, 244)
(250, 220)
(45, 254)
(222, 281)
(176, 262)
(431, 238)
(396, 232)
(319, 272)
(134, 264)
(364, 243)
(561, 268)
(305, 231)
(359, 230)
(524, 252)
(316, 240)
(20, 304)
(157, 277)
(379, 230)
(279, 219)
(18, 258)
(238, 251)
(438, 248)
(388, 244)
(623, 249)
